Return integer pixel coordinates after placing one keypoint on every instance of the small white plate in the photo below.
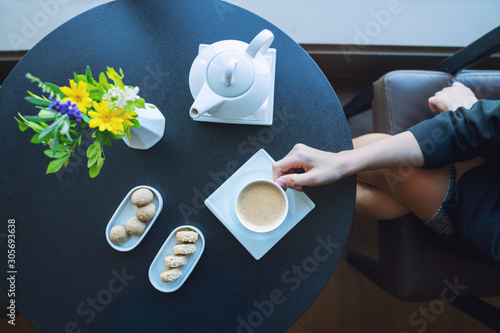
(158, 264)
(125, 211)
(264, 114)
(222, 202)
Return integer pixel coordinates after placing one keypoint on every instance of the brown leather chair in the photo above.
(416, 264)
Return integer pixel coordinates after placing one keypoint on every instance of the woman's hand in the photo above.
(306, 166)
(451, 98)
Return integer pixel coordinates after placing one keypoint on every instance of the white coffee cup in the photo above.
(261, 205)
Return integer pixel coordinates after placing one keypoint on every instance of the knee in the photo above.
(364, 200)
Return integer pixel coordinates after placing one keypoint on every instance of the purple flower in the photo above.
(68, 108)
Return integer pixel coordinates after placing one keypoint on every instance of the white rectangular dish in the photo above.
(126, 210)
(264, 114)
(158, 264)
(222, 202)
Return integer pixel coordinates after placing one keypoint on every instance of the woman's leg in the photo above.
(370, 200)
(390, 193)
(407, 188)
(377, 204)
(420, 191)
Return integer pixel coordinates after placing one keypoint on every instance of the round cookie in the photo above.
(134, 226)
(118, 234)
(142, 197)
(145, 213)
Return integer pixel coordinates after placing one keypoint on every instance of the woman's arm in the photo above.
(461, 135)
(306, 166)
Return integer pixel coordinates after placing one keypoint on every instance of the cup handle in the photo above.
(261, 43)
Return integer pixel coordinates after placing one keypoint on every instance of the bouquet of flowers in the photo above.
(106, 109)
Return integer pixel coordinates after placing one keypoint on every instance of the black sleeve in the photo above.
(461, 135)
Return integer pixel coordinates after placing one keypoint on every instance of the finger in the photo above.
(297, 181)
(283, 183)
(432, 104)
(289, 162)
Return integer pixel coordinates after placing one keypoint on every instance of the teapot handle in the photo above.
(261, 43)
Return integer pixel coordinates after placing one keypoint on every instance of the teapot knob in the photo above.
(228, 76)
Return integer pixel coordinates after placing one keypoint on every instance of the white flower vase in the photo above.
(151, 130)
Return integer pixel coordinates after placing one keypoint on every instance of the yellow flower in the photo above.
(106, 119)
(78, 94)
(113, 75)
(127, 116)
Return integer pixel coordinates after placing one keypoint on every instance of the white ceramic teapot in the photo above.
(231, 79)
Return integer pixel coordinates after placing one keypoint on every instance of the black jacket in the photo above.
(458, 136)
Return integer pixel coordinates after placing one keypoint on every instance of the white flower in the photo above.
(120, 97)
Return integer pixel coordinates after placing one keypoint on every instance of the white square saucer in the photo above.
(222, 202)
(264, 114)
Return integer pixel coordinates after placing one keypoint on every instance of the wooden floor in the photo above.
(350, 302)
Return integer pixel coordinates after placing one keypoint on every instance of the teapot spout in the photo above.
(206, 101)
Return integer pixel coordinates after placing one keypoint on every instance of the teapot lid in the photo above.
(230, 74)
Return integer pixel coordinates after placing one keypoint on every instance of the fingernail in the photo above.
(281, 182)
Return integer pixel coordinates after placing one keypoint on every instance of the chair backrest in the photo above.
(400, 97)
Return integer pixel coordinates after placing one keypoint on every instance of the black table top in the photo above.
(69, 278)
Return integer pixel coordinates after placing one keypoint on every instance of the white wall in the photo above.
(23, 23)
(380, 22)
(374, 22)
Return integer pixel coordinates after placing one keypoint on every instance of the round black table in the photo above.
(68, 279)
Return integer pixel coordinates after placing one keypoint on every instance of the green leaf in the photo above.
(40, 119)
(90, 87)
(80, 77)
(140, 103)
(85, 118)
(57, 164)
(92, 160)
(79, 140)
(35, 139)
(33, 95)
(136, 123)
(94, 171)
(103, 81)
(55, 141)
(58, 154)
(95, 95)
(127, 130)
(65, 127)
(55, 89)
(44, 113)
(117, 136)
(49, 129)
(62, 148)
(22, 126)
(129, 107)
(91, 150)
(103, 138)
(88, 73)
(36, 127)
(37, 101)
